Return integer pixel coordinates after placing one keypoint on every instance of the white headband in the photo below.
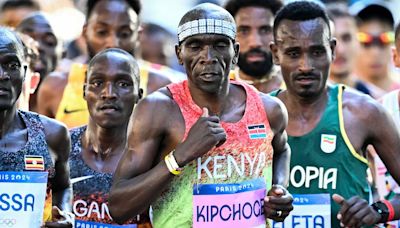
(206, 26)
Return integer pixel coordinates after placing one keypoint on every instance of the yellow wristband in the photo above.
(172, 165)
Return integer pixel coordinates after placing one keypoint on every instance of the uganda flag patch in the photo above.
(34, 162)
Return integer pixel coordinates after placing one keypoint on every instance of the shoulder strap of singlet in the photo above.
(342, 128)
(275, 92)
(33, 124)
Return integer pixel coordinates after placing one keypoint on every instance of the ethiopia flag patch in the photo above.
(257, 131)
(34, 162)
(328, 143)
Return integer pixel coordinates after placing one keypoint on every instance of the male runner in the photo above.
(111, 92)
(32, 77)
(110, 23)
(30, 142)
(205, 152)
(329, 127)
(254, 19)
(38, 27)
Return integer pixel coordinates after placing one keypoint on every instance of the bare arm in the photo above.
(50, 94)
(381, 133)
(136, 181)
(59, 143)
(142, 175)
(278, 202)
(278, 118)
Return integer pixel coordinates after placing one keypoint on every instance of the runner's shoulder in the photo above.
(276, 111)
(56, 132)
(158, 102)
(361, 105)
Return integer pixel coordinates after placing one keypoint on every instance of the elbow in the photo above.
(116, 211)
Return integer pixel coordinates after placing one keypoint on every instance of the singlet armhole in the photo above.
(343, 130)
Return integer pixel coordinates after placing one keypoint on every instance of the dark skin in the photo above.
(111, 91)
(305, 50)
(38, 27)
(207, 59)
(14, 133)
(254, 26)
(112, 24)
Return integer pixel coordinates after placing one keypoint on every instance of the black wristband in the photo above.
(382, 209)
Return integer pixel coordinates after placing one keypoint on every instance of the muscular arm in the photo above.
(50, 94)
(156, 128)
(367, 123)
(137, 182)
(59, 143)
(278, 118)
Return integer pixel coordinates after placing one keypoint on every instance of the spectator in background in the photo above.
(345, 32)
(38, 26)
(13, 11)
(157, 45)
(375, 34)
(254, 20)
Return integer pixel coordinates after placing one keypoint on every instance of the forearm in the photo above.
(281, 167)
(130, 197)
(62, 199)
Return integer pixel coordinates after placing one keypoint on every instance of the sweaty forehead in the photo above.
(114, 59)
(294, 31)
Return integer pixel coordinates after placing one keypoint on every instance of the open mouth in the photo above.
(209, 76)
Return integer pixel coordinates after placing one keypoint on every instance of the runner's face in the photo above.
(254, 33)
(12, 70)
(50, 48)
(111, 90)
(112, 24)
(304, 51)
(208, 59)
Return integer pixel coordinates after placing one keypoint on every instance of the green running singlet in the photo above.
(324, 160)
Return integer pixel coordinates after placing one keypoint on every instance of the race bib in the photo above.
(86, 224)
(22, 198)
(229, 205)
(309, 211)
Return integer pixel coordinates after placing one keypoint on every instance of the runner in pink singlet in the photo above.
(200, 152)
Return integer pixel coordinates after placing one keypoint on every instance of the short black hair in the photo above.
(376, 13)
(301, 11)
(15, 4)
(233, 6)
(134, 4)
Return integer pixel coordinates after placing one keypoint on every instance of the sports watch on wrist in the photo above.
(382, 209)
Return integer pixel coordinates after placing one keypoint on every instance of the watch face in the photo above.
(382, 209)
